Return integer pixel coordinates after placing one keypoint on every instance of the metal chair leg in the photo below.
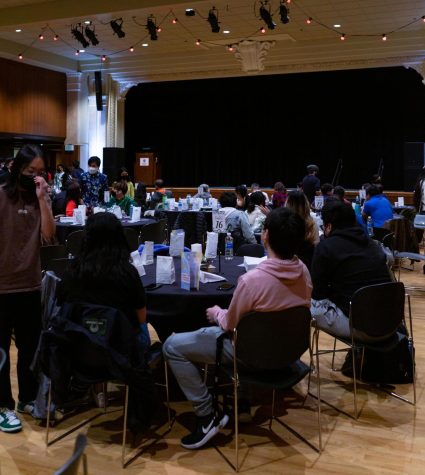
(49, 403)
(273, 401)
(333, 357)
(235, 404)
(319, 419)
(167, 393)
(354, 382)
(124, 433)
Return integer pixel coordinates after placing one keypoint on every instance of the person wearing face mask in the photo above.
(27, 219)
(124, 176)
(346, 260)
(93, 183)
(57, 180)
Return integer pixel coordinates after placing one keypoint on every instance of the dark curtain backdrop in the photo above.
(268, 128)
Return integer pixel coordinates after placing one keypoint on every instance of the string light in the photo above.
(20, 56)
(77, 53)
(41, 37)
(174, 21)
(55, 38)
(131, 49)
(342, 37)
(309, 20)
(230, 48)
(423, 18)
(262, 29)
(198, 42)
(159, 29)
(384, 37)
(103, 58)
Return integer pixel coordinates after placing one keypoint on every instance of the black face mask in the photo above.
(113, 194)
(124, 177)
(27, 183)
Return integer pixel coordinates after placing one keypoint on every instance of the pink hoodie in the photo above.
(275, 284)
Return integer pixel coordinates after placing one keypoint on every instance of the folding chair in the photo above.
(47, 253)
(267, 348)
(70, 467)
(376, 313)
(74, 241)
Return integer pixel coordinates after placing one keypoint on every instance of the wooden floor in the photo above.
(388, 438)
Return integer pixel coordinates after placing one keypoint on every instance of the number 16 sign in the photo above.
(219, 221)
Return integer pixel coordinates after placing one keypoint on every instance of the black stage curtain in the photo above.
(268, 128)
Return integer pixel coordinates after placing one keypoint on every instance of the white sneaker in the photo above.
(9, 421)
(99, 399)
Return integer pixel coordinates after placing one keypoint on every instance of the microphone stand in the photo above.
(337, 173)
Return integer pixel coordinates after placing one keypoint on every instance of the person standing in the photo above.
(27, 218)
(310, 183)
(93, 183)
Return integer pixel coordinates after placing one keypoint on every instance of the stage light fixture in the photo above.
(267, 17)
(151, 27)
(213, 20)
(116, 25)
(283, 12)
(78, 35)
(190, 12)
(91, 35)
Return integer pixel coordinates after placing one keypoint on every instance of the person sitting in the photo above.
(279, 195)
(203, 192)
(377, 206)
(119, 198)
(236, 221)
(327, 190)
(339, 193)
(93, 183)
(102, 274)
(346, 260)
(140, 195)
(59, 199)
(256, 211)
(73, 198)
(159, 193)
(280, 282)
(123, 175)
(256, 187)
(241, 197)
(297, 201)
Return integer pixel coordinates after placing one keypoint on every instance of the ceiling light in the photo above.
(82, 50)
(151, 27)
(213, 20)
(20, 56)
(337, 25)
(226, 32)
(145, 45)
(87, 22)
(116, 25)
(190, 12)
(91, 35)
(267, 17)
(283, 12)
(384, 37)
(78, 35)
(18, 30)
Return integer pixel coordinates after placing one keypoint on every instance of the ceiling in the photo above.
(297, 46)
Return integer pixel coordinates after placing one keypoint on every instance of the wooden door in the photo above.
(145, 168)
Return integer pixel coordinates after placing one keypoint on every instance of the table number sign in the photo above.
(219, 221)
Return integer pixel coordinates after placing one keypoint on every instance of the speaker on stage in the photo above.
(414, 161)
(113, 160)
(98, 89)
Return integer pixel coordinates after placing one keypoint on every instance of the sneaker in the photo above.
(244, 411)
(9, 421)
(26, 408)
(99, 399)
(206, 428)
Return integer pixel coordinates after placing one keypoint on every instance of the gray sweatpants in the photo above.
(330, 318)
(182, 350)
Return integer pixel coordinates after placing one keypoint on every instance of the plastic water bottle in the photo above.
(357, 205)
(188, 198)
(370, 226)
(228, 247)
(180, 206)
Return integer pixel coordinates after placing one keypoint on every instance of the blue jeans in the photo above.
(182, 350)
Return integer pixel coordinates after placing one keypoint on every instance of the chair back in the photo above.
(70, 467)
(419, 221)
(58, 266)
(251, 250)
(377, 310)
(132, 238)
(47, 253)
(74, 241)
(405, 239)
(269, 341)
(3, 358)
(154, 231)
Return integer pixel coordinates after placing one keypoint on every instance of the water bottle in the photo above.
(228, 247)
(188, 198)
(370, 226)
(357, 205)
(180, 206)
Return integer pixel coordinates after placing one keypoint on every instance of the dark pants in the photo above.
(20, 313)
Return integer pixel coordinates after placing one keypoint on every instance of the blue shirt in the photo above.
(379, 208)
(93, 187)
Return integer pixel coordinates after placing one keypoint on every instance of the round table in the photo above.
(63, 229)
(172, 309)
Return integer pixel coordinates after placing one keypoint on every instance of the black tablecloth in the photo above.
(172, 216)
(171, 309)
(63, 229)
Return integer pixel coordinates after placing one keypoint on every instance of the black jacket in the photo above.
(343, 263)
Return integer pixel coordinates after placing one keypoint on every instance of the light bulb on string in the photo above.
(230, 48)
(174, 21)
(262, 29)
(20, 56)
(423, 18)
(309, 21)
(342, 37)
(103, 58)
(384, 37)
(41, 37)
(131, 49)
(55, 38)
(198, 42)
(159, 29)
(77, 52)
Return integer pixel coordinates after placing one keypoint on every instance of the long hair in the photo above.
(255, 198)
(23, 158)
(104, 254)
(297, 201)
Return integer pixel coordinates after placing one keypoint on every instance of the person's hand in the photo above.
(264, 209)
(212, 312)
(41, 188)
